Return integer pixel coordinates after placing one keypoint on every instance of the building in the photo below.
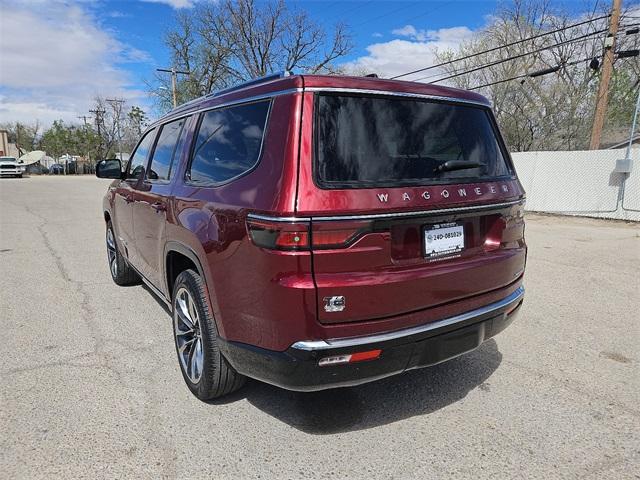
(7, 149)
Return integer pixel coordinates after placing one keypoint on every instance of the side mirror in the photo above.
(111, 168)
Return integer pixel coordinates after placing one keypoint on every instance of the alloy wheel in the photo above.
(186, 324)
(111, 253)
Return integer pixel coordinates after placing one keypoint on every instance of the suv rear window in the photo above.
(373, 141)
(228, 143)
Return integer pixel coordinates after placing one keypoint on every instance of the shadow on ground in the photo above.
(418, 392)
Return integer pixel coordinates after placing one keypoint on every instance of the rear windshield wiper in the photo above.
(452, 165)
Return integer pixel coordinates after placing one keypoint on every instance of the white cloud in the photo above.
(398, 56)
(55, 59)
(174, 3)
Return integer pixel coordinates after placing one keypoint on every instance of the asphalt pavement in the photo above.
(91, 388)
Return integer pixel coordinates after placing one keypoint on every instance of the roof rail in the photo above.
(248, 83)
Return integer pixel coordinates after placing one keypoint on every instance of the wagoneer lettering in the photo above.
(319, 231)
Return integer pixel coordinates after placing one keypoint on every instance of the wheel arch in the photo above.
(177, 258)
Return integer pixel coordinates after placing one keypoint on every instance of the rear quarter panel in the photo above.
(254, 294)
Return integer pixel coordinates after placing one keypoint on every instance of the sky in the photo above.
(56, 55)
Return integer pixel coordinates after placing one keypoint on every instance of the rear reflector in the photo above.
(351, 358)
(511, 309)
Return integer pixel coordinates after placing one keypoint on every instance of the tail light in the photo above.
(279, 235)
(338, 234)
(305, 235)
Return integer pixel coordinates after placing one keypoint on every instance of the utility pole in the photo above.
(174, 81)
(116, 104)
(602, 100)
(99, 113)
(86, 144)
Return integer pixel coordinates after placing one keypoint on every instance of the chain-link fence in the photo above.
(580, 183)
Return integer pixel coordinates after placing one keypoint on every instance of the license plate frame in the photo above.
(442, 240)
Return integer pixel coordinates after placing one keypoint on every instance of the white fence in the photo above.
(580, 183)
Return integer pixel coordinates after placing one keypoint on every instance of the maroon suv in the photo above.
(319, 231)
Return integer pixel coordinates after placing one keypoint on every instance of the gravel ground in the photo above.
(90, 386)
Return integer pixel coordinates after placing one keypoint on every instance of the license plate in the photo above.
(443, 240)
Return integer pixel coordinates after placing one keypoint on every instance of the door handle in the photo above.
(159, 207)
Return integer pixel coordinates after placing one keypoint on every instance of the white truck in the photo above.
(10, 167)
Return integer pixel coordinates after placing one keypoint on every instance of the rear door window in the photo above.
(373, 141)
(228, 143)
(167, 148)
(139, 158)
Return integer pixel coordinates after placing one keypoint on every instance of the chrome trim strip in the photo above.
(419, 213)
(396, 94)
(277, 93)
(314, 345)
(230, 103)
(153, 289)
(267, 218)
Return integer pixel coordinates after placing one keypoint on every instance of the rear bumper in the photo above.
(435, 342)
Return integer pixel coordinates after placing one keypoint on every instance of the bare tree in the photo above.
(234, 40)
(551, 111)
(25, 136)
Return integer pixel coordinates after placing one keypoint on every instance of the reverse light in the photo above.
(349, 358)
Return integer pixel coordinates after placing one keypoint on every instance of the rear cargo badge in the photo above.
(460, 193)
(334, 304)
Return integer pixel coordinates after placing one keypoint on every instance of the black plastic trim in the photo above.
(298, 370)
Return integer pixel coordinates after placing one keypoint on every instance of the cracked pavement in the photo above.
(90, 384)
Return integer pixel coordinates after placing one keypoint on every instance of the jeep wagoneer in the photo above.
(320, 231)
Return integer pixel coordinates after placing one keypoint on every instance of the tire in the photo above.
(121, 272)
(204, 369)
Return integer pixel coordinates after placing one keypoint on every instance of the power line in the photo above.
(497, 62)
(414, 18)
(350, 10)
(502, 46)
(404, 7)
(514, 57)
(534, 74)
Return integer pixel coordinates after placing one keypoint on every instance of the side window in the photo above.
(169, 145)
(139, 158)
(228, 142)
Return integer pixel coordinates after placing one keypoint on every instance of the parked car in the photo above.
(56, 169)
(320, 231)
(10, 167)
(37, 169)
